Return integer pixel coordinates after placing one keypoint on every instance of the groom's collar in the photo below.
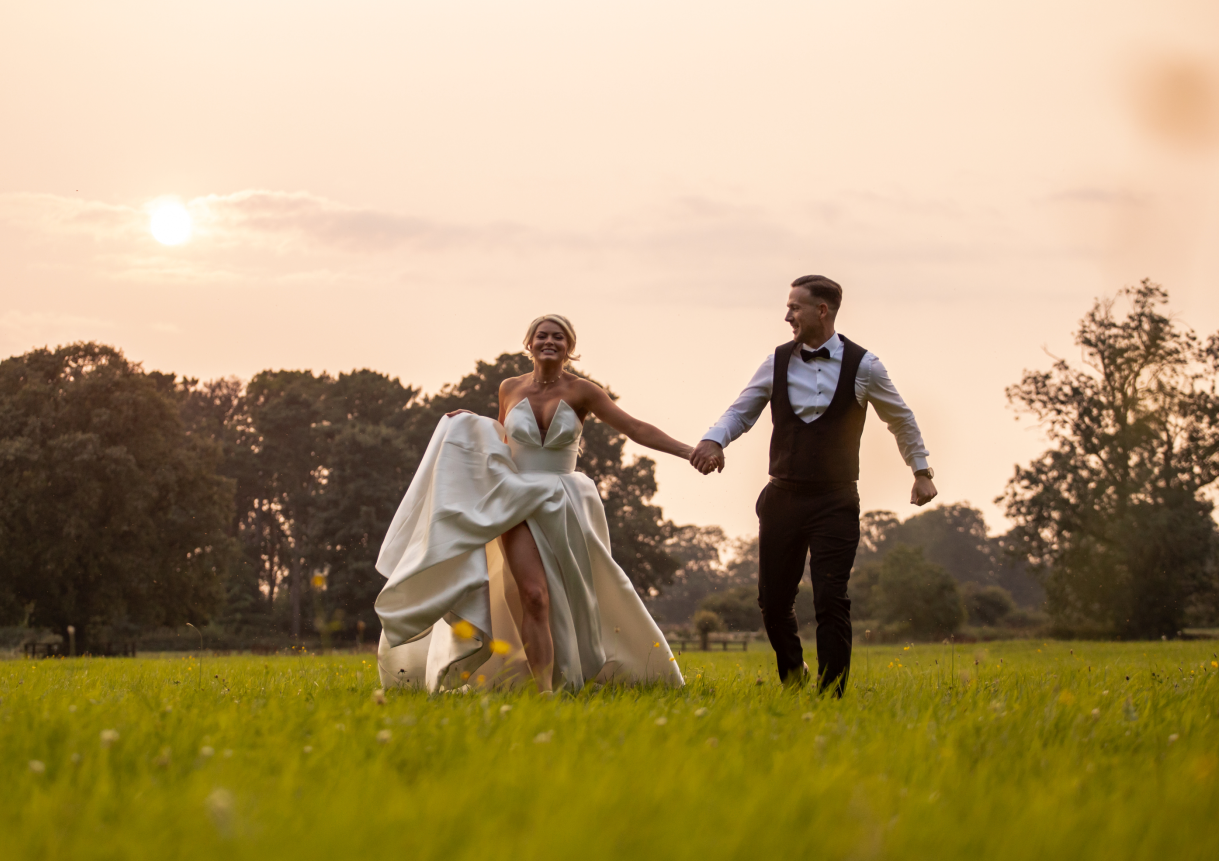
(834, 345)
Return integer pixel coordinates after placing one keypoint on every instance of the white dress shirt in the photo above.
(810, 388)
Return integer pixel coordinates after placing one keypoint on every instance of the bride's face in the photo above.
(549, 342)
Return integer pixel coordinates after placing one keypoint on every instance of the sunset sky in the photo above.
(403, 186)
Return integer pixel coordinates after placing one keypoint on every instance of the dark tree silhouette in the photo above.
(112, 515)
(1113, 515)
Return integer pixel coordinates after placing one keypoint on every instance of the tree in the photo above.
(112, 515)
(706, 623)
(639, 534)
(954, 536)
(917, 594)
(738, 608)
(698, 551)
(987, 605)
(370, 457)
(1113, 516)
(284, 453)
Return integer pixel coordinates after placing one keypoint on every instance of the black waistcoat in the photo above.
(824, 451)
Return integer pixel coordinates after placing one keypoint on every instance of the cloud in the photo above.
(1095, 195)
(52, 213)
(259, 219)
(300, 219)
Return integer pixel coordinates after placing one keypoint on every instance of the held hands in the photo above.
(924, 491)
(708, 456)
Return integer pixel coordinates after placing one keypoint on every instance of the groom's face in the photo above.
(809, 318)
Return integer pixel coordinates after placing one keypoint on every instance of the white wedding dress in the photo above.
(444, 564)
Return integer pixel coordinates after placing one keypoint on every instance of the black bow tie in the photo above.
(809, 355)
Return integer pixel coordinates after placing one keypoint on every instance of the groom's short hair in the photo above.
(820, 287)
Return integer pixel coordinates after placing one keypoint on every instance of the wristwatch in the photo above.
(928, 472)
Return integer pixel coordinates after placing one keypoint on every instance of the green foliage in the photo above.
(738, 607)
(954, 536)
(1114, 515)
(987, 605)
(372, 451)
(112, 515)
(1031, 752)
(917, 594)
(707, 622)
(320, 464)
(698, 550)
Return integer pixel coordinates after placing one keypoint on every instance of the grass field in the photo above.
(1016, 750)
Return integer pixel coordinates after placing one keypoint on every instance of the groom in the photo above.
(819, 386)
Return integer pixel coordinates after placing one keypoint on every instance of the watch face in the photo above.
(929, 472)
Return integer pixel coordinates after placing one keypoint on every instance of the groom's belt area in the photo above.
(811, 488)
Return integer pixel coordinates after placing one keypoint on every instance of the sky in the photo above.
(403, 186)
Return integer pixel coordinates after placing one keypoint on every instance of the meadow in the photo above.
(1016, 750)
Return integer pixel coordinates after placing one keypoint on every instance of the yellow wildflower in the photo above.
(500, 647)
(1215, 663)
(464, 630)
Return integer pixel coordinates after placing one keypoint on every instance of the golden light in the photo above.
(170, 222)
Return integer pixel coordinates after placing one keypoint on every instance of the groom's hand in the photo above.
(924, 491)
(708, 456)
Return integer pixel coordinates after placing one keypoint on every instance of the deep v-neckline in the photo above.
(545, 434)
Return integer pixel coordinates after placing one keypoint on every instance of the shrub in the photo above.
(917, 593)
(987, 605)
(706, 622)
(737, 607)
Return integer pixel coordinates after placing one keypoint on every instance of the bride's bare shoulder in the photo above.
(509, 384)
(587, 392)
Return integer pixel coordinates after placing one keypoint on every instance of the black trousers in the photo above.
(822, 526)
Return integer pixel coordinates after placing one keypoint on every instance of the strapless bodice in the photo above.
(560, 449)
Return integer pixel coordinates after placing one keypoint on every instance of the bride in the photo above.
(498, 562)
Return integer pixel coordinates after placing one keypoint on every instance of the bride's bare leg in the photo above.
(530, 575)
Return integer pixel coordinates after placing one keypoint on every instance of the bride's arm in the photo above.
(603, 407)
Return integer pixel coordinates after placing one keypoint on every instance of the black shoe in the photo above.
(798, 679)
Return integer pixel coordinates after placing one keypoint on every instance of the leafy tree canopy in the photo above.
(918, 594)
(112, 515)
(1114, 515)
(952, 536)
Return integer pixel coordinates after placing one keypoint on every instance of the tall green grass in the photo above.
(1016, 750)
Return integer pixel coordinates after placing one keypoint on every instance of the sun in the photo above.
(169, 222)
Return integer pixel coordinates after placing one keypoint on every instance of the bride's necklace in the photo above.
(547, 382)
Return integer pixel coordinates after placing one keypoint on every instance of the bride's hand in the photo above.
(459, 412)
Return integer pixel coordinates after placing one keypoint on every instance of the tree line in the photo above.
(135, 499)
(131, 499)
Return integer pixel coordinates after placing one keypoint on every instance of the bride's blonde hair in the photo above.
(563, 323)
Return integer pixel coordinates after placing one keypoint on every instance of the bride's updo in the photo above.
(564, 324)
